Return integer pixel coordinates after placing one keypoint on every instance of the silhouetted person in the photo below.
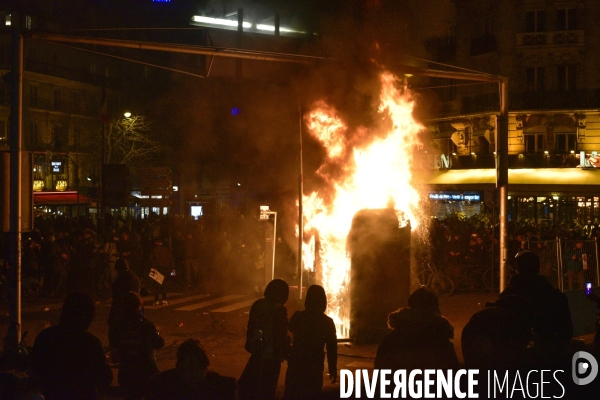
(552, 325)
(574, 257)
(191, 260)
(191, 379)
(266, 341)
(494, 338)
(68, 360)
(420, 336)
(125, 282)
(312, 330)
(162, 260)
(135, 338)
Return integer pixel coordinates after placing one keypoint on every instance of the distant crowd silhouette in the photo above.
(64, 254)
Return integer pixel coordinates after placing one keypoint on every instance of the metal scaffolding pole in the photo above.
(13, 336)
(300, 194)
(178, 48)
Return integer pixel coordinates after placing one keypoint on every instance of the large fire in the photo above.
(372, 176)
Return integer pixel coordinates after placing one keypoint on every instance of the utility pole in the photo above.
(13, 336)
(300, 211)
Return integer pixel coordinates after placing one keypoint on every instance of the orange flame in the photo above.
(373, 176)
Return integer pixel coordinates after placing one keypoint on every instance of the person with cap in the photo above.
(134, 339)
(68, 360)
(267, 343)
(312, 331)
(420, 337)
(552, 325)
(191, 379)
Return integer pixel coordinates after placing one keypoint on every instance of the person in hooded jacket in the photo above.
(552, 324)
(135, 339)
(420, 337)
(267, 343)
(191, 379)
(312, 330)
(69, 361)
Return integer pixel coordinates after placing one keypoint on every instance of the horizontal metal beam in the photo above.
(469, 76)
(179, 48)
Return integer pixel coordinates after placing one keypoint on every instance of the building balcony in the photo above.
(547, 100)
(530, 40)
(555, 159)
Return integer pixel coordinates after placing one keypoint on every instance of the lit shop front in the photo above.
(551, 195)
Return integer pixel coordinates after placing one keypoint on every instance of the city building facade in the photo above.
(548, 50)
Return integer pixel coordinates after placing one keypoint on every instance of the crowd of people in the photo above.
(528, 328)
(457, 244)
(62, 254)
(67, 362)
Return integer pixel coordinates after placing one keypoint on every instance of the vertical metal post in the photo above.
(101, 197)
(13, 336)
(597, 263)
(300, 194)
(561, 283)
(240, 29)
(276, 24)
(274, 240)
(502, 176)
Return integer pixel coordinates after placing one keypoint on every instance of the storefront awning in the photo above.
(59, 198)
(556, 180)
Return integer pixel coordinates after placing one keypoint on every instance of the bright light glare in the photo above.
(127, 114)
(271, 28)
(219, 21)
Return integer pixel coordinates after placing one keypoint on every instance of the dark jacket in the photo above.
(313, 331)
(552, 317)
(270, 318)
(170, 385)
(125, 282)
(161, 258)
(419, 340)
(70, 363)
(135, 339)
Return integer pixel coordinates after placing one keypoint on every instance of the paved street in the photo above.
(219, 321)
